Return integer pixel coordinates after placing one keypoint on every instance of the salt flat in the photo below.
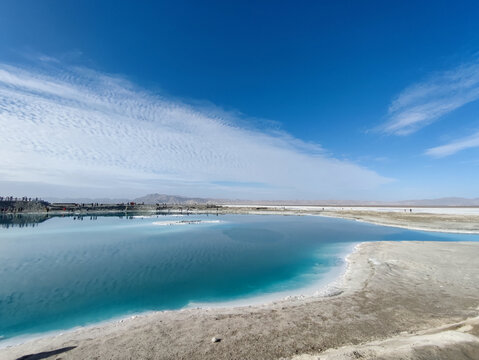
(443, 219)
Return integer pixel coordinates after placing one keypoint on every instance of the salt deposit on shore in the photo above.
(417, 297)
(452, 220)
(185, 222)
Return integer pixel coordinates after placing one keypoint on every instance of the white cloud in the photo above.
(455, 146)
(82, 129)
(424, 103)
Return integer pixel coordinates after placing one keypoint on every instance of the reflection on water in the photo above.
(21, 220)
(32, 220)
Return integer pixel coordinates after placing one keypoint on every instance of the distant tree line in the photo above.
(24, 198)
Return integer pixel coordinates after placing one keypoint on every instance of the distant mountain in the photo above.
(426, 202)
(173, 199)
(184, 200)
(446, 201)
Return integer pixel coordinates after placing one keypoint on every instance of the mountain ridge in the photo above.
(157, 198)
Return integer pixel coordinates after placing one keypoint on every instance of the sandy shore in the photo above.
(408, 300)
(453, 223)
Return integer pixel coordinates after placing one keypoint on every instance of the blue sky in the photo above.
(270, 100)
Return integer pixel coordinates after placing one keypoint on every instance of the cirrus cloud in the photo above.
(83, 129)
(468, 142)
(425, 102)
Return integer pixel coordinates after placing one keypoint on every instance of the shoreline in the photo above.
(446, 219)
(390, 288)
(330, 285)
(401, 226)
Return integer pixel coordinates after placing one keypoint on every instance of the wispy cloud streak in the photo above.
(455, 146)
(80, 128)
(425, 102)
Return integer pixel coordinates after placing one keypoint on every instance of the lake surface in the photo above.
(59, 273)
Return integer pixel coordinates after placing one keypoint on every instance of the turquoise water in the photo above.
(66, 272)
